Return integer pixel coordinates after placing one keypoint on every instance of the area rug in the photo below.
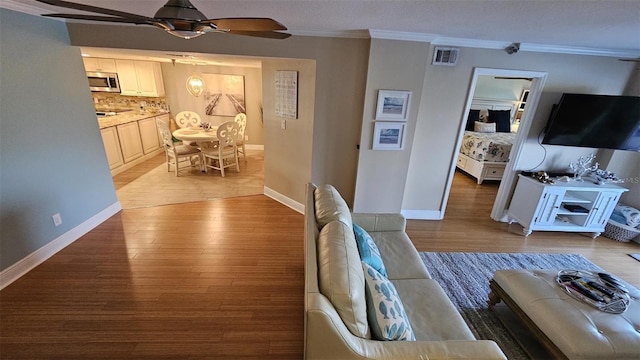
(465, 279)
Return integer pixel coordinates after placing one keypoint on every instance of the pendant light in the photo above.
(195, 85)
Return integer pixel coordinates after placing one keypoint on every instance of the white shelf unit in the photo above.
(545, 207)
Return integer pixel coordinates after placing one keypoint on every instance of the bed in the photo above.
(485, 153)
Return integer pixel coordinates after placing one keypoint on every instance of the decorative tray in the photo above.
(600, 290)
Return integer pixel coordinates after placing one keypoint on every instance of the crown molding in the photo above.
(435, 39)
(400, 35)
(353, 34)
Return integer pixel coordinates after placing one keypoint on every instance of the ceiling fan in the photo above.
(179, 18)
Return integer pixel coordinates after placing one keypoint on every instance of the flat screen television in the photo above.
(595, 121)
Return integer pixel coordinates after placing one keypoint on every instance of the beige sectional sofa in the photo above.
(336, 325)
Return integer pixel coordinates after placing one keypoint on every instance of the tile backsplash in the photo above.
(104, 101)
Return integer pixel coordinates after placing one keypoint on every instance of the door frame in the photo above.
(507, 184)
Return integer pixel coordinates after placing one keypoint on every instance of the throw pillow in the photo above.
(369, 252)
(502, 118)
(484, 127)
(474, 115)
(630, 214)
(385, 312)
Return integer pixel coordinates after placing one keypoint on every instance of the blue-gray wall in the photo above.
(51, 154)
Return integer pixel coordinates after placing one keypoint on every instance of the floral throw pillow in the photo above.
(385, 312)
(369, 252)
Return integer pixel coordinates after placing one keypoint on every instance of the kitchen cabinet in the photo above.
(112, 147)
(149, 134)
(140, 78)
(130, 143)
(572, 206)
(100, 65)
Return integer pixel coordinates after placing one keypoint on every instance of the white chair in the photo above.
(224, 153)
(186, 119)
(241, 120)
(177, 154)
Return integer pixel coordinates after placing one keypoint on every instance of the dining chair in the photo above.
(186, 119)
(241, 120)
(177, 154)
(224, 153)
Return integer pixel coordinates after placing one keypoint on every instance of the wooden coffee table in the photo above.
(566, 327)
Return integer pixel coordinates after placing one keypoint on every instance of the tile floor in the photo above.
(150, 184)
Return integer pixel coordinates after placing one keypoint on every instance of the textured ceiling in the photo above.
(601, 24)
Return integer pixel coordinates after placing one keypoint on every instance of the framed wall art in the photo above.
(388, 136)
(287, 94)
(393, 105)
(224, 94)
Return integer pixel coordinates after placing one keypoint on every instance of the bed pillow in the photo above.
(502, 119)
(474, 115)
(484, 127)
(369, 252)
(385, 312)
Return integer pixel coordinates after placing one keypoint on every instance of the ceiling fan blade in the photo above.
(247, 24)
(261, 34)
(95, 9)
(99, 18)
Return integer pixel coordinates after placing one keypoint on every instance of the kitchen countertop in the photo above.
(126, 117)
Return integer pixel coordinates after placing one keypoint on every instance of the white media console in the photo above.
(563, 206)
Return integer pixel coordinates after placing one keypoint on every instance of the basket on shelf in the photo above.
(620, 232)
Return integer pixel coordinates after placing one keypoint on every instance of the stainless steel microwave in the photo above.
(102, 81)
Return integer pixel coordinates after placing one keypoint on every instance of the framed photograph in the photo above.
(393, 105)
(388, 136)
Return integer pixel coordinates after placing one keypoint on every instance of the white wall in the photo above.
(393, 65)
(444, 95)
(488, 87)
(626, 164)
(179, 99)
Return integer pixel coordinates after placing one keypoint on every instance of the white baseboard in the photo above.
(254, 147)
(284, 200)
(422, 214)
(15, 271)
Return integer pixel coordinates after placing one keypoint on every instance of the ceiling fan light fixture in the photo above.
(178, 17)
(195, 85)
(185, 34)
(179, 9)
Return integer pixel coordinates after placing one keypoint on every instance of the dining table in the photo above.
(197, 134)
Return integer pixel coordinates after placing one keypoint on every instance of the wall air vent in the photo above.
(445, 56)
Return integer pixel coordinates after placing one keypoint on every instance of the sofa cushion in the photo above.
(340, 276)
(330, 206)
(368, 250)
(400, 257)
(385, 311)
(432, 315)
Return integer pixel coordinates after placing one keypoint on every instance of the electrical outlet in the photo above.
(246, 138)
(57, 219)
(283, 124)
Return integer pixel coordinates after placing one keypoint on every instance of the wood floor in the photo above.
(221, 279)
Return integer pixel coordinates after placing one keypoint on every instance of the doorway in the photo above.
(507, 184)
